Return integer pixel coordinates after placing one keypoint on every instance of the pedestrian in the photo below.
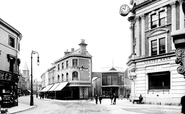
(111, 98)
(114, 96)
(100, 99)
(96, 98)
(140, 99)
(183, 104)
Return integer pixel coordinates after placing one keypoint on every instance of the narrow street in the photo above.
(48, 106)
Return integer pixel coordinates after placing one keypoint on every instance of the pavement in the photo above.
(119, 103)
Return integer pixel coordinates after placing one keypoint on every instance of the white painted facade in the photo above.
(142, 63)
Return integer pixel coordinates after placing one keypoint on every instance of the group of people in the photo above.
(113, 99)
(98, 98)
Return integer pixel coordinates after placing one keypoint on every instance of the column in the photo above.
(173, 23)
(143, 35)
(131, 31)
(181, 16)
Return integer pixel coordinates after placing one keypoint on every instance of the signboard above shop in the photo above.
(8, 76)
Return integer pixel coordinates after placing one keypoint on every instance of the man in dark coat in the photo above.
(183, 104)
(96, 99)
(100, 98)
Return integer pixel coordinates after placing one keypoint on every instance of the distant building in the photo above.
(152, 67)
(108, 82)
(70, 77)
(9, 63)
(26, 75)
(22, 89)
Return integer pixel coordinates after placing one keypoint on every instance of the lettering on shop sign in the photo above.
(5, 76)
(157, 60)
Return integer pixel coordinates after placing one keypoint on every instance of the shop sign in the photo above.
(8, 76)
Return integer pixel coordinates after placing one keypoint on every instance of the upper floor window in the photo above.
(158, 46)
(18, 46)
(62, 65)
(66, 64)
(66, 76)
(58, 66)
(158, 18)
(12, 42)
(75, 62)
(62, 77)
(75, 75)
(58, 78)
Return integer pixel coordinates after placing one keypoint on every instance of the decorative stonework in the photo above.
(180, 54)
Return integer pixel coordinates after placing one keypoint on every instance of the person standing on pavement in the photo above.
(100, 99)
(96, 98)
(111, 98)
(114, 96)
(183, 104)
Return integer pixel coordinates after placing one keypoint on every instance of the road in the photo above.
(48, 106)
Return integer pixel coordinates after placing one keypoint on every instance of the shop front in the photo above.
(8, 89)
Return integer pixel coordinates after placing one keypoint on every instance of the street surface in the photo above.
(51, 106)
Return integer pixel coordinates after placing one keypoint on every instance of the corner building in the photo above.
(73, 71)
(9, 64)
(151, 64)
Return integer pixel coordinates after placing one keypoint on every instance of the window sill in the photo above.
(164, 26)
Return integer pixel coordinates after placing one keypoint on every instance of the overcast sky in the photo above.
(53, 26)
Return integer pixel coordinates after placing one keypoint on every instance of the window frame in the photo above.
(157, 12)
(157, 38)
(9, 42)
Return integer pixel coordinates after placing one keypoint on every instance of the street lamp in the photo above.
(31, 97)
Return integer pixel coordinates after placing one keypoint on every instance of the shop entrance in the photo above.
(75, 92)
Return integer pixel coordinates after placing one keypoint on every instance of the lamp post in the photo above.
(31, 96)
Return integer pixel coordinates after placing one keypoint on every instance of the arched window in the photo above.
(75, 75)
(62, 77)
(66, 76)
(58, 78)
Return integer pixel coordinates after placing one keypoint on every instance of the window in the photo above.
(66, 64)
(58, 78)
(75, 75)
(162, 15)
(162, 46)
(158, 18)
(66, 76)
(62, 77)
(18, 46)
(154, 20)
(62, 65)
(12, 42)
(158, 46)
(154, 47)
(159, 80)
(75, 62)
(58, 66)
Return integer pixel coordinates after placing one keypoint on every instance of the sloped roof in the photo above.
(25, 67)
(74, 53)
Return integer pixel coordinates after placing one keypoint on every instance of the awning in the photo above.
(29, 91)
(54, 87)
(46, 88)
(61, 86)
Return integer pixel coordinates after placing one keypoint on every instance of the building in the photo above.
(9, 68)
(109, 82)
(70, 77)
(26, 75)
(22, 90)
(151, 65)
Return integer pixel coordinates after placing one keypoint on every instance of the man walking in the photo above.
(183, 104)
(100, 99)
(96, 98)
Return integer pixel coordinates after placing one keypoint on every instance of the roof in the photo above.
(74, 54)
(25, 67)
(8, 26)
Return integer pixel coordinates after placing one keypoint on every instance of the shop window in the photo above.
(159, 80)
(12, 42)
(75, 75)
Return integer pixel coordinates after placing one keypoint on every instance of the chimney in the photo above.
(72, 49)
(83, 46)
(66, 52)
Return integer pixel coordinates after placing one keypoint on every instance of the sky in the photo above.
(50, 27)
